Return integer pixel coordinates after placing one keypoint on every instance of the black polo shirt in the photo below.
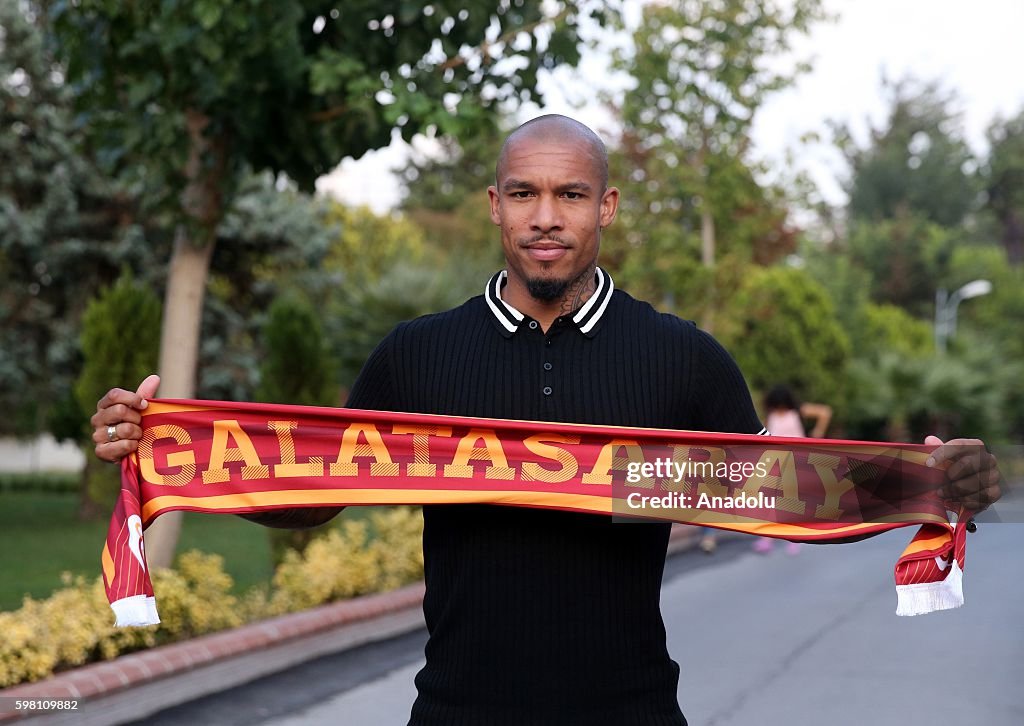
(546, 617)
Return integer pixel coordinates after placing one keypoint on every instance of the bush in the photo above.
(296, 368)
(782, 327)
(345, 562)
(51, 482)
(75, 626)
(120, 340)
(71, 627)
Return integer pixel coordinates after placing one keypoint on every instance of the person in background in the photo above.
(708, 540)
(785, 417)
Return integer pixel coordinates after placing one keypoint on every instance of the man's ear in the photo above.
(609, 206)
(492, 194)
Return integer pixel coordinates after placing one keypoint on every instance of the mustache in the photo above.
(524, 241)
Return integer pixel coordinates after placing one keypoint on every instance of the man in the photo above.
(536, 616)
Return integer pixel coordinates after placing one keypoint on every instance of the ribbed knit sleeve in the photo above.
(374, 387)
(719, 395)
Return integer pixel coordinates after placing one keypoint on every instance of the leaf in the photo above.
(209, 48)
(145, 89)
(409, 11)
(207, 12)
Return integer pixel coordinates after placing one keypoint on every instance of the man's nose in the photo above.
(547, 214)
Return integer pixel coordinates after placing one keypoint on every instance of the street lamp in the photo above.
(946, 305)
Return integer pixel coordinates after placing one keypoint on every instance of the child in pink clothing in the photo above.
(785, 417)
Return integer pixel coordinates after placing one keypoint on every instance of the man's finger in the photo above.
(147, 389)
(122, 430)
(115, 396)
(977, 502)
(965, 467)
(990, 477)
(115, 414)
(114, 452)
(137, 400)
(952, 450)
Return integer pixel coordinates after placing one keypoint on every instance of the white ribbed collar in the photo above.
(587, 318)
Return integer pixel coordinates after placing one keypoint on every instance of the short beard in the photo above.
(545, 290)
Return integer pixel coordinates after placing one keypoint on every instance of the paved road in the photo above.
(761, 640)
(813, 640)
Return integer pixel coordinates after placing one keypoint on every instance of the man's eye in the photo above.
(521, 194)
(572, 195)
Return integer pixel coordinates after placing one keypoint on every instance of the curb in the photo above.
(140, 684)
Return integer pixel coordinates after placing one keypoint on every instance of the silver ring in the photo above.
(112, 433)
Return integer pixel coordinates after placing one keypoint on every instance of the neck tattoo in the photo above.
(578, 292)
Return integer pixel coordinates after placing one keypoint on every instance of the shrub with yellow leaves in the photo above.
(195, 598)
(75, 626)
(398, 546)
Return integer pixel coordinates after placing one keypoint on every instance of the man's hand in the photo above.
(116, 423)
(972, 478)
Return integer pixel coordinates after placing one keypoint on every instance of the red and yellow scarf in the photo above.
(212, 456)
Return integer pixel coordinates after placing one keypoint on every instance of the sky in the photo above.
(972, 47)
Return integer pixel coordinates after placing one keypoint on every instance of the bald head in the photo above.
(556, 129)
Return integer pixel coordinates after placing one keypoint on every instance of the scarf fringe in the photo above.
(135, 611)
(928, 597)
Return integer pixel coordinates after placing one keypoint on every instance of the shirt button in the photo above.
(533, 325)
(547, 366)
(547, 390)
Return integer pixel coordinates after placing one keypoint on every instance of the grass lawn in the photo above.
(40, 538)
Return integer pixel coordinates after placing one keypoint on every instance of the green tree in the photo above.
(1003, 179)
(992, 323)
(366, 245)
(445, 195)
(890, 328)
(701, 71)
(654, 245)
(273, 241)
(120, 335)
(383, 269)
(904, 257)
(65, 230)
(361, 315)
(191, 94)
(917, 163)
(912, 228)
(783, 329)
(296, 368)
(901, 389)
(903, 398)
(892, 351)
(848, 285)
(441, 180)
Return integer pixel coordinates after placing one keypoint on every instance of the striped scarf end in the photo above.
(928, 597)
(135, 611)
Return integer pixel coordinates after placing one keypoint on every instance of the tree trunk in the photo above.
(707, 233)
(179, 353)
(194, 240)
(707, 236)
(707, 258)
(1013, 237)
(88, 509)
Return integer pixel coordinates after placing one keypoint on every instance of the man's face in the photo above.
(551, 205)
